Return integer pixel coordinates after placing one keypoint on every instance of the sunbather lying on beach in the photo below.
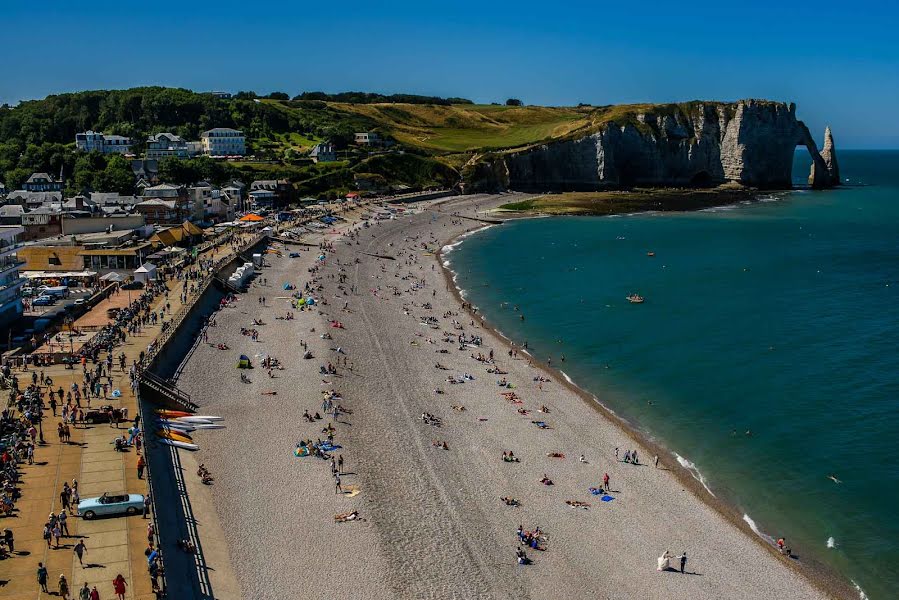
(440, 444)
(344, 517)
(510, 457)
(510, 501)
(577, 504)
(555, 455)
(546, 480)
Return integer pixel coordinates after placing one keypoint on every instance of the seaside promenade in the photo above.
(114, 545)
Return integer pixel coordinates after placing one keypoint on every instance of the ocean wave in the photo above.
(693, 471)
(831, 543)
(861, 593)
(756, 530)
(450, 247)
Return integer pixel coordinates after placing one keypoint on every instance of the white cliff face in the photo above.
(749, 142)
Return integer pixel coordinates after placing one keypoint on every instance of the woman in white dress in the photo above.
(665, 561)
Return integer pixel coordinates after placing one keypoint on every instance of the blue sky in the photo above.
(838, 61)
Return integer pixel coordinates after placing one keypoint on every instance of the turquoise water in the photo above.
(780, 318)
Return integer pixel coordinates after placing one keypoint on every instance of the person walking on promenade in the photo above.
(95, 595)
(56, 534)
(683, 561)
(62, 519)
(84, 593)
(9, 539)
(140, 466)
(80, 549)
(146, 505)
(63, 587)
(48, 533)
(42, 577)
(118, 585)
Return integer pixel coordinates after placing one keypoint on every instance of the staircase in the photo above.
(165, 392)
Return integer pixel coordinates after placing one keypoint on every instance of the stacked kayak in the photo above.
(174, 427)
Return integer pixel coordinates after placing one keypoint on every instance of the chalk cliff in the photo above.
(750, 142)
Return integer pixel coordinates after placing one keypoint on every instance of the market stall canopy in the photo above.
(113, 276)
(56, 274)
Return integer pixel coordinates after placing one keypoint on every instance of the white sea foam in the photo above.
(756, 529)
(693, 471)
(567, 378)
(831, 543)
(861, 593)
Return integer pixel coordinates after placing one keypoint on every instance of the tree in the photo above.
(117, 176)
(514, 102)
(278, 96)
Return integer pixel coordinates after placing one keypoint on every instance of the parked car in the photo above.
(101, 415)
(110, 504)
(43, 301)
(27, 292)
(79, 301)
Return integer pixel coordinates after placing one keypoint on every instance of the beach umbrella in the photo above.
(251, 218)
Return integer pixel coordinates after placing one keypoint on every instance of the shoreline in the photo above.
(817, 574)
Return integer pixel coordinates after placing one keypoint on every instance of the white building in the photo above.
(10, 280)
(91, 141)
(163, 145)
(367, 138)
(223, 141)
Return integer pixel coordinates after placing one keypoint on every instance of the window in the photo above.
(54, 259)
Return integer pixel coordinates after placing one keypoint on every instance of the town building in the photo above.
(93, 141)
(164, 145)
(165, 203)
(281, 193)
(42, 182)
(323, 153)
(157, 211)
(367, 138)
(30, 200)
(11, 214)
(100, 252)
(146, 170)
(10, 279)
(3, 190)
(221, 95)
(236, 192)
(223, 141)
(44, 221)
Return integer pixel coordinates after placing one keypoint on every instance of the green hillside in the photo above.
(444, 134)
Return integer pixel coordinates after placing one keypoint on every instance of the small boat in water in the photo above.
(650, 253)
(635, 299)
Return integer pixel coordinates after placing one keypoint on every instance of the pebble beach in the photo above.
(427, 492)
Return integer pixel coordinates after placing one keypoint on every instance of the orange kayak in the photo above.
(172, 414)
(177, 436)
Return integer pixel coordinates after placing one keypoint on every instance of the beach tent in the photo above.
(244, 362)
(113, 277)
(146, 273)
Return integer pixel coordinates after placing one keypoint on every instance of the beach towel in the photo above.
(330, 447)
(607, 498)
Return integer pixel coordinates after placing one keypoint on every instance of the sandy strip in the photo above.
(434, 524)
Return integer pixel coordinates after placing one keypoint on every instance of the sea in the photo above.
(765, 356)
